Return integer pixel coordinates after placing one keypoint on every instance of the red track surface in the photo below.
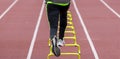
(18, 25)
(4, 5)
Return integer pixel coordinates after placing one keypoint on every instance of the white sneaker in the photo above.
(60, 43)
(55, 48)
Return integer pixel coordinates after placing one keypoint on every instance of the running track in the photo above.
(23, 22)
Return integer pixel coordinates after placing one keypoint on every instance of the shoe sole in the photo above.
(56, 51)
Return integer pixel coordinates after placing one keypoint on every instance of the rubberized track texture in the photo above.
(24, 29)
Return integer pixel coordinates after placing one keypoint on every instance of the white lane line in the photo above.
(86, 31)
(110, 8)
(35, 33)
(3, 14)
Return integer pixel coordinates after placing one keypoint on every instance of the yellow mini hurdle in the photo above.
(72, 31)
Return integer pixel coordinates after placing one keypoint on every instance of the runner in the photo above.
(57, 11)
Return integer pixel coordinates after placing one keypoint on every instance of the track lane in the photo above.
(35, 32)
(17, 28)
(103, 27)
(41, 49)
(114, 4)
(4, 4)
(110, 8)
(8, 9)
(81, 36)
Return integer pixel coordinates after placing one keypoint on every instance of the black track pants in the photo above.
(57, 13)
